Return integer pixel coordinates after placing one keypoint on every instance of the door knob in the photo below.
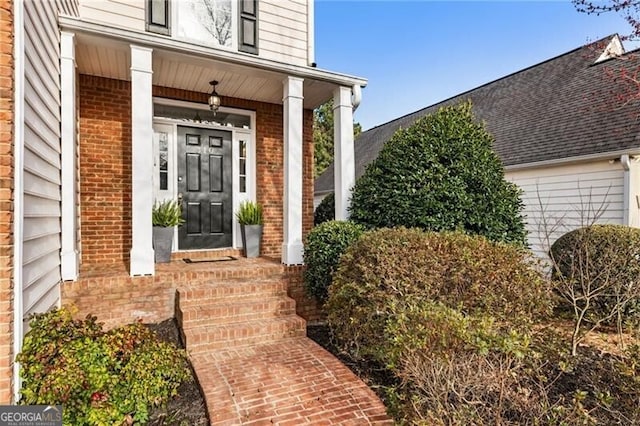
(180, 196)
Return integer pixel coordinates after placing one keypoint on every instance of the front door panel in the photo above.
(204, 183)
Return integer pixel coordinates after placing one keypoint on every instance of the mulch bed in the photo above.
(187, 408)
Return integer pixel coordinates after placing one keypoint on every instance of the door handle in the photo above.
(180, 196)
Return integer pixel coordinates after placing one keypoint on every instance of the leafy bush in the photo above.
(326, 210)
(454, 368)
(388, 267)
(597, 273)
(100, 377)
(324, 246)
(440, 174)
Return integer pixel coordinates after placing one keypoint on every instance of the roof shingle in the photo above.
(561, 108)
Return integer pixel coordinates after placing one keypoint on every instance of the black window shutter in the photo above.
(158, 16)
(248, 26)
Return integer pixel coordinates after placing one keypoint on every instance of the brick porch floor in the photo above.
(247, 345)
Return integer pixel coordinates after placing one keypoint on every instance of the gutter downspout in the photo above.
(18, 186)
(356, 96)
(625, 161)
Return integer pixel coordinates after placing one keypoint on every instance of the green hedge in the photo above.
(389, 267)
(324, 246)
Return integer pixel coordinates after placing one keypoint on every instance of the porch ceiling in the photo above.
(104, 57)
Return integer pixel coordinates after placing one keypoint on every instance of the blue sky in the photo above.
(417, 53)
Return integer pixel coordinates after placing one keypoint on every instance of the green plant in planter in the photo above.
(167, 213)
(165, 216)
(251, 220)
(250, 213)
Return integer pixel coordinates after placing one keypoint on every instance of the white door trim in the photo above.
(237, 135)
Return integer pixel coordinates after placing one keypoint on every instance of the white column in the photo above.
(68, 136)
(292, 244)
(142, 257)
(344, 174)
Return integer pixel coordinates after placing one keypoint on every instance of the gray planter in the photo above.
(162, 242)
(251, 236)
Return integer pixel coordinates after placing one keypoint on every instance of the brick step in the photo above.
(216, 292)
(237, 310)
(198, 274)
(206, 338)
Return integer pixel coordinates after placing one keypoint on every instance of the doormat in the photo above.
(215, 259)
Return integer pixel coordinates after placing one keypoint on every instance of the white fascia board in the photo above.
(156, 41)
(609, 155)
(18, 187)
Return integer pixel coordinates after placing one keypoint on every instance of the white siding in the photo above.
(282, 27)
(561, 198)
(129, 14)
(68, 7)
(282, 24)
(41, 175)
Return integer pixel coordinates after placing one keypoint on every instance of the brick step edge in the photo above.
(243, 333)
(203, 293)
(240, 310)
(196, 349)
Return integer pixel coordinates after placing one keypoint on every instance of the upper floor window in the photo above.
(231, 24)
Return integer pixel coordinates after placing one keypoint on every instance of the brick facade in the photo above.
(105, 167)
(6, 199)
(105, 170)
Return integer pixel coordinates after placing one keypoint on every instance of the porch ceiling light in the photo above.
(214, 98)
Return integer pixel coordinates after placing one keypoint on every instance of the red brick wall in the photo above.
(306, 307)
(6, 199)
(105, 170)
(121, 299)
(105, 167)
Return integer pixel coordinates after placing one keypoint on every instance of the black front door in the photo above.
(204, 183)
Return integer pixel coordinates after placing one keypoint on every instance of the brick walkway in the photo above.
(250, 352)
(289, 382)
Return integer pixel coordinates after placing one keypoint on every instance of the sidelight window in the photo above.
(242, 166)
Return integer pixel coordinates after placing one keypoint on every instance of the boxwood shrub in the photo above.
(386, 268)
(324, 246)
(605, 257)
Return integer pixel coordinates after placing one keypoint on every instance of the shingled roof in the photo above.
(563, 108)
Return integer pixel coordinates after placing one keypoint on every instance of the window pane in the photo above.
(164, 182)
(205, 21)
(243, 184)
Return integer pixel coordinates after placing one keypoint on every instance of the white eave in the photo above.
(251, 70)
